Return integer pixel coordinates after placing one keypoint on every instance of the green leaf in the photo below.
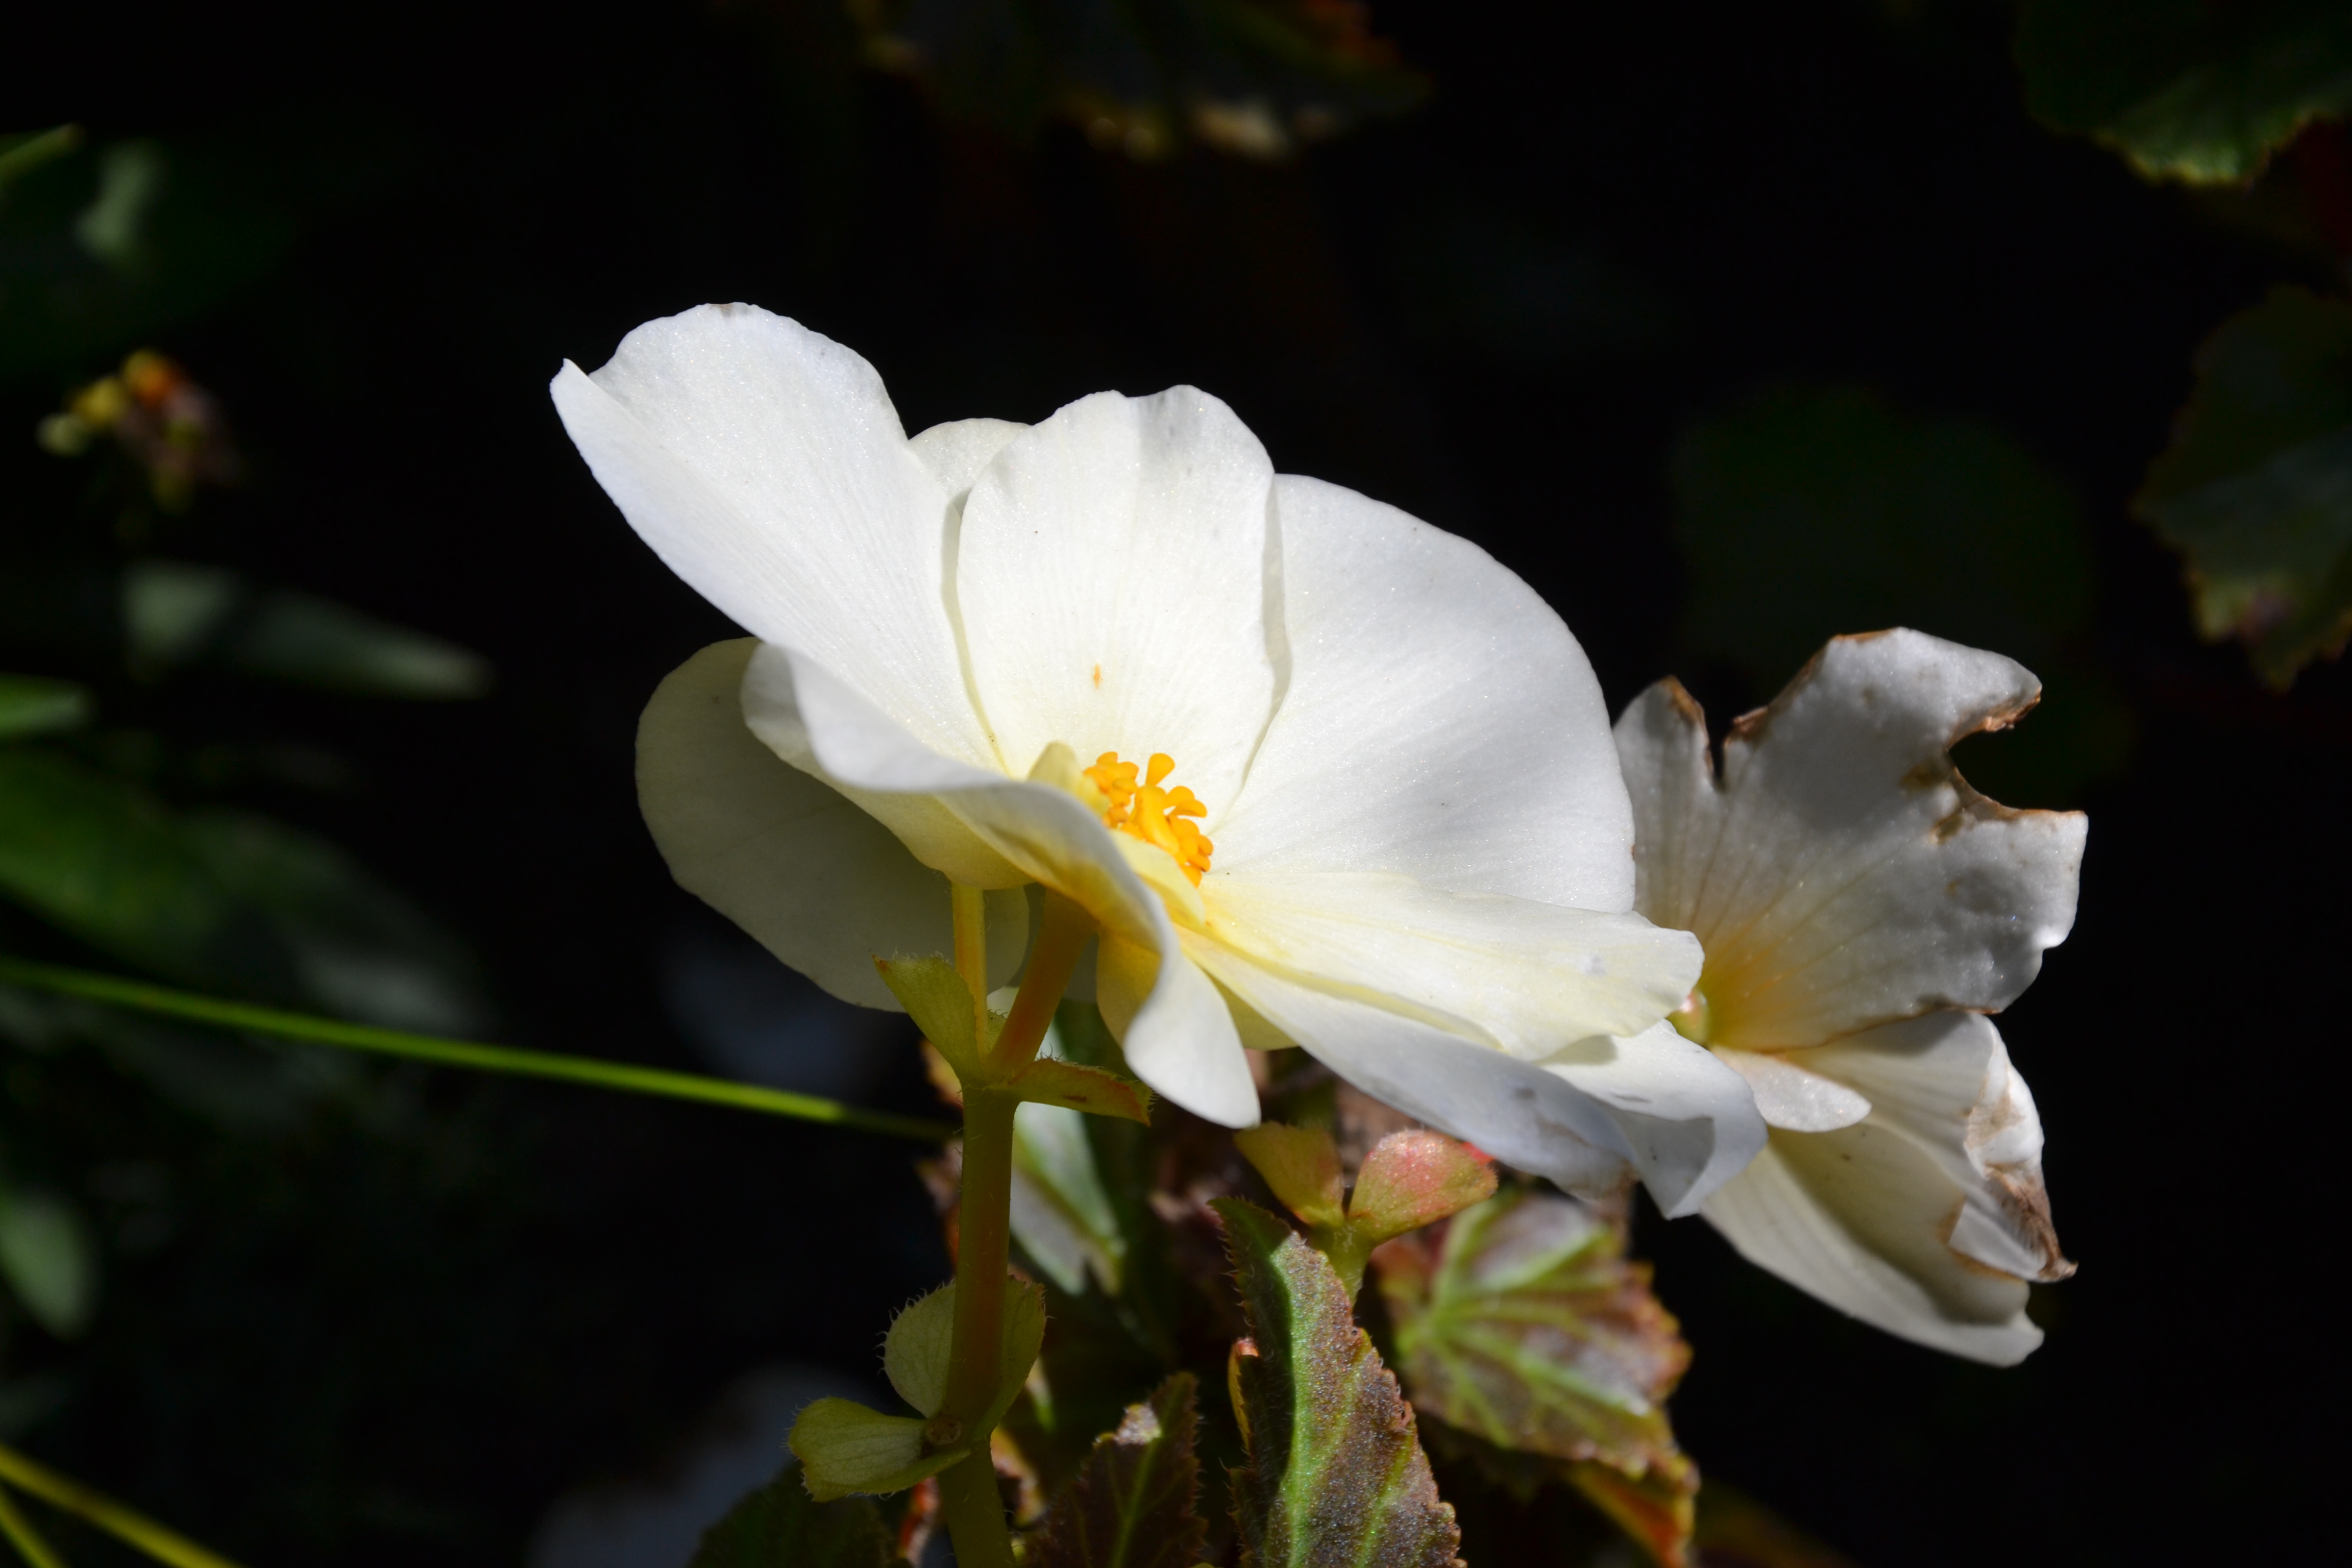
(47, 1257)
(1527, 1327)
(1408, 1180)
(781, 1526)
(915, 1352)
(1045, 1081)
(31, 706)
(1302, 1166)
(176, 611)
(1132, 1502)
(940, 1004)
(2256, 489)
(2184, 89)
(1336, 1472)
(844, 1448)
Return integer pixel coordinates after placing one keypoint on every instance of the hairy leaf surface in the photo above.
(1336, 1473)
(1131, 1505)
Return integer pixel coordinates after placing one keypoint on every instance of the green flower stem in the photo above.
(127, 1524)
(968, 1495)
(35, 1552)
(119, 992)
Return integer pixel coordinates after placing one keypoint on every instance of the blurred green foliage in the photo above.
(781, 1526)
(2255, 490)
(2185, 89)
(1808, 511)
(1254, 78)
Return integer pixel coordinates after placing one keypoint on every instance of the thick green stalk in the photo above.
(116, 991)
(984, 1224)
(128, 1524)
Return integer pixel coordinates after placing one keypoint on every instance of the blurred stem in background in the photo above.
(61, 1491)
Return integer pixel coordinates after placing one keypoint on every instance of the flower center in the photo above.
(1153, 814)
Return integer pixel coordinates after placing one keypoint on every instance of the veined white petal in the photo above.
(1792, 1097)
(818, 882)
(1110, 571)
(1438, 720)
(1946, 1082)
(1531, 977)
(1175, 1030)
(1691, 1122)
(1654, 1106)
(1842, 874)
(766, 466)
(1520, 1114)
(1855, 1218)
(958, 452)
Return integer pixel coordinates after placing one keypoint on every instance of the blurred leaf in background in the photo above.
(101, 245)
(1808, 511)
(1254, 78)
(2186, 90)
(2256, 489)
(31, 706)
(49, 1259)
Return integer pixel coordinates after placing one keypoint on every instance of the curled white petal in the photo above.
(1690, 1121)
(1792, 1097)
(1841, 874)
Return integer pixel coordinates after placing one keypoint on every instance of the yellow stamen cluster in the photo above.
(1153, 814)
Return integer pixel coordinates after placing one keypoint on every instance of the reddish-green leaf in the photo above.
(1131, 1505)
(1336, 1473)
(1526, 1326)
(1414, 1179)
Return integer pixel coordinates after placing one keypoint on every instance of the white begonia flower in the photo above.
(1379, 813)
(1862, 909)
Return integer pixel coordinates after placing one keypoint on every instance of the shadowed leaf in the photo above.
(1302, 1166)
(1336, 1473)
(1526, 1326)
(31, 706)
(2256, 489)
(2185, 89)
(1131, 1505)
(781, 1526)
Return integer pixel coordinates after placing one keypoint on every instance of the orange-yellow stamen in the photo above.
(1153, 814)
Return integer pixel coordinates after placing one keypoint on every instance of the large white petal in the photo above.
(1539, 1119)
(817, 882)
(1854, 1217)
(1111, 576)
(1176, 1033)
(1946, 1082)
(1437, 720)
(1691, 1120)
(766, 466)
(1843, 874)
(1531, 977)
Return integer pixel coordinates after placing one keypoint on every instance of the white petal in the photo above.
(816, 881)
(1111, 577)
(1438, 720)
(1789, 1096)
(1173, 1025)
(1528, 977)
(1692, 1122)
(1175, 1031)
(1946, 1082)
(1843, 875)
(766, 466)
(1683, 1122)
(1855, 1217)
(958, 452)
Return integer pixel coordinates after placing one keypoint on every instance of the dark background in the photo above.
(1499, 312)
